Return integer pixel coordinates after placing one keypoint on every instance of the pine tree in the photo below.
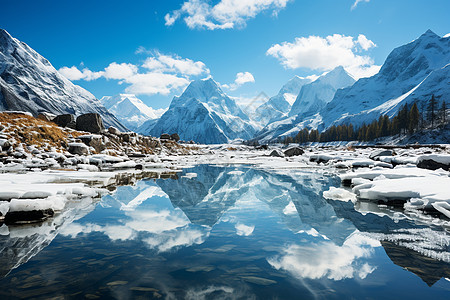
(432, 110)
(413, 117)
(403, 118)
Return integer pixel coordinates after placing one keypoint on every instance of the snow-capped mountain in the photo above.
(412, 72)
(205, 114)
(130, 110)
(314, 96)
(311, 99)
(28, 82)
(279, 105)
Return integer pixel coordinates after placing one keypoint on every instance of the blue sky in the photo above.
(154, 48)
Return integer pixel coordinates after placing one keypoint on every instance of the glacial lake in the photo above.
(228, 232)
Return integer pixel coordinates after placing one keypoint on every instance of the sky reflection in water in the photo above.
(229, 233)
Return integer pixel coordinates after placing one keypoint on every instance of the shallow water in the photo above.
(226, 232)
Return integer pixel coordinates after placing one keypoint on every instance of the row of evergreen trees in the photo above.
(409, 119)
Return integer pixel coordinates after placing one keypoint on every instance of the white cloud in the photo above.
(73, 73)
(120, 71)
(241, 78)
(159, 74)
(155, 83)
(225, 14)
(175, 64)
(365, 43)
(325, 54)
(357, 2)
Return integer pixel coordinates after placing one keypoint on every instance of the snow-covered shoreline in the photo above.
(381, 176)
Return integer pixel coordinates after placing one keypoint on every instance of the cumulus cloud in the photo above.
(225, 14)
(357, 2)
(73, 73)
(241, 78)
(175, 64)
(159, 73)
(325, 54)
(120, 71)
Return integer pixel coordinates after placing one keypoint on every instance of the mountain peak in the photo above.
(429, 32)
(5, 38)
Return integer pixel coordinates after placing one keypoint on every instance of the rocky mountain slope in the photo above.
(28, 82)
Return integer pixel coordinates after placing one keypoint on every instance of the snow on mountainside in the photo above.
(412, 72)
(279, 106)
(130, 110)
(28, 82)
(204, 114)
(311, 99)
(314, 96)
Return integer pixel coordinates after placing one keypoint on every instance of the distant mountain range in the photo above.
(130, 110)
(205, 114)
(28, 82)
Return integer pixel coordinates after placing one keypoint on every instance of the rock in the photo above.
(4, 145)
(164, 136)
(93, 140)
(46, 116)
(2, 127)
(91, 122)
(431, 164)
(78, 148)
(126, 137)
(263, 147)
(381, 152)
(276, 153)
(113, 130)
(175, 137)
(63, 120)
(294, 151)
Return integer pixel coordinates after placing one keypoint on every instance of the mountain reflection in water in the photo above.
(230, 232)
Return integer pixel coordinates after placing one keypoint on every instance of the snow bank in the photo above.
(339, 194)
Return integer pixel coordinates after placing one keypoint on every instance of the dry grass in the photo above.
(33, 131)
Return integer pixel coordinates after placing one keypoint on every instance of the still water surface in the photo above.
(226, 233)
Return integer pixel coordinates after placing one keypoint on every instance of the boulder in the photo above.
(175, 137)
(294, 151)
(113, 130)
(78, 148)
(434, 162)
(276, 153)
(164, 136)
(93, 140)
(381, 152)
(63, 120)
(91, 122)
(4, 145)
